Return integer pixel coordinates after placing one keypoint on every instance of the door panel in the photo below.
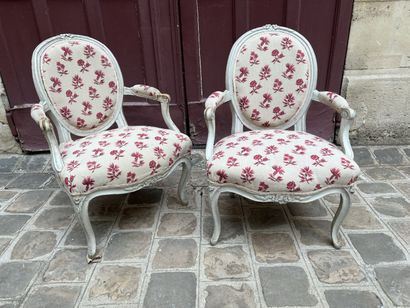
(142, 34)
(210, 27)
(179, 46)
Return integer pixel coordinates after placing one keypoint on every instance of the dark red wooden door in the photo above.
(142, 34)
(179, 46)
(210, 27)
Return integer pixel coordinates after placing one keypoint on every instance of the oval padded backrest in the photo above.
(81, 81)
(271, 74)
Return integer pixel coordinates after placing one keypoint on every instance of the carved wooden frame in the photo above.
(238, 121)
(38, 113)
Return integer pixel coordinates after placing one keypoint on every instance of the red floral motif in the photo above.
(177, 149)
(138, 162)
(276, 175)
(334, 175)
(277, 55)
(232, 162)
(346, 163)
(277, 86)
(108, 104)
(326, 152)
(260, 160)
(271, 149)
(113, 87)
(243, 73)
(159, 153)
(222, 176)
(92, 93)
(263, 186)
(72, 96)
(46, 59)
(289, 160)
(69, 182)
(56, 85)
(84, 65)
(289, 71)
(299, 149)
(81, 123)
(89, 51)
(67, 52)
(317, 161)
(289, 100)
(77, 82)
(301, 85)
(86, 108)
(66, 112)
(218, 155)
(306, 175)
(277, 113)
(101, 117)
(267, 98)
(286, 43)
(254, 58)
(61, 69)
(300, 57)
(291, 186)
(131, 177)
(244, 103)
(255, 86)
(117, 154)
(247, 175)
(88, 182)
(99, 77)
(244, 151)
(264, 43)
(105, 62)
(72, 165)
(265, 73)
(113, 172)
(255, 115)
(93, 165)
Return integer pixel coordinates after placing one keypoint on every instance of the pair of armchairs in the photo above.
(270, 78)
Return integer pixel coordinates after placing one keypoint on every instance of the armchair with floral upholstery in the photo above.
(271, 78)
(81, 90)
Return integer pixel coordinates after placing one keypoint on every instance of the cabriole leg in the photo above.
(82, 214)
(340, 215)
(186, 171)
(213, 200)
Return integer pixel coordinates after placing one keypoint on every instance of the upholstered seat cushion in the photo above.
(120, 157)
(280, 161)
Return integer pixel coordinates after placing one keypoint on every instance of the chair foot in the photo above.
(83, 217)
(340, 215)
(186, 171)
(96, 258)
(213, 199)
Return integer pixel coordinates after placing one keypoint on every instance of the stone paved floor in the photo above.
(156, 252)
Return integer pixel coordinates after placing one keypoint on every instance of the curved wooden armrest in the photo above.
(340, 105)
(39, 116)
(215, 100)
(152, 93)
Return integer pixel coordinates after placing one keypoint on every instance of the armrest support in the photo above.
(340, 105)
(152, 93)
(215, 100)
(40, 117)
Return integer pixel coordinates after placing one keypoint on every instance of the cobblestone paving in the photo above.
(156, 252)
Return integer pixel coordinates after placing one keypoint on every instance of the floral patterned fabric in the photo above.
(271, 78)
(120, 157)
(280, 161)
(81, 83)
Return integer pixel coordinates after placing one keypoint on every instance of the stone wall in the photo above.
(7, 142)
(377, 72)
